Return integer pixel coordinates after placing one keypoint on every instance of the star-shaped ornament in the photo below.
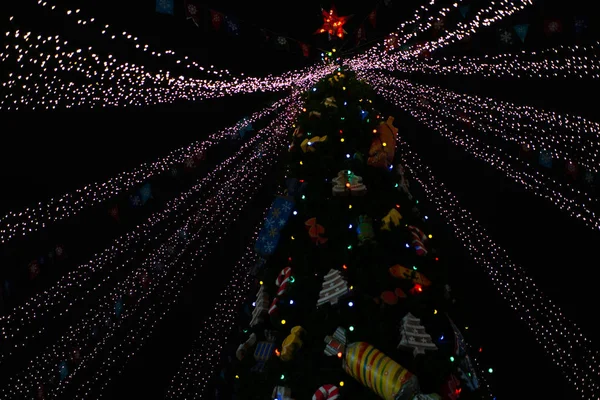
(333, 24)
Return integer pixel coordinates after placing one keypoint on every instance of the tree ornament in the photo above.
(261, 306)
(347, 183)
(380, 373)
(333, 24)
(414, 336)
(334, 287)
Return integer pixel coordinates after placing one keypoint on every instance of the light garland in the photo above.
(496, 11)
(129, 38)
(564, 197)
(561, 339)
(21, 223)
(567, 137)
(198, 367)
(581, 62)
(88, 79)
(274, 148)
(60, 298)
(211, 218)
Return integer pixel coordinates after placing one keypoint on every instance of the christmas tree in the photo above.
(355, 279)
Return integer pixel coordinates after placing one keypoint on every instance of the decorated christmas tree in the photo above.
(353, 275)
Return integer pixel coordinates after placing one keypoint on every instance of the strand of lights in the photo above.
(561, 339)
(91, 80)
(22, 223)
(216, 229)
(198, 367)
(214, 223)
(105, 29)
(484, 17)
(562, 196)
(581, 62)
(61, 298)
(567, 137)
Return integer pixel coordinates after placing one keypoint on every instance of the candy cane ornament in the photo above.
(283, 281)
(326, 392)
(418, 239)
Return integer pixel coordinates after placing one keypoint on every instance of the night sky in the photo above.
(49, 153)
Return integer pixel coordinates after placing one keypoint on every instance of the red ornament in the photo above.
(333, 24)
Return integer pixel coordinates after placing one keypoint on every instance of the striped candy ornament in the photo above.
(274, 309)
(329, 392)
(283, 280)
(379, 373)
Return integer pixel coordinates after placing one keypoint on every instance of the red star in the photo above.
(333, 24)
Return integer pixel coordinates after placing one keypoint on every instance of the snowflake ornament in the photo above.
(281, 41)
(506, 37)
(192, 9)
(553, 27)
(438, 25)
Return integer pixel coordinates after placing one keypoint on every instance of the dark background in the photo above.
(46, 154)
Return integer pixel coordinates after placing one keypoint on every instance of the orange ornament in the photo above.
(315, 231)
(383, 147)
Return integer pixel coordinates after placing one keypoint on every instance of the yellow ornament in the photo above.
(330, 102)
(307, 144)
(393, 217)
(292, 343)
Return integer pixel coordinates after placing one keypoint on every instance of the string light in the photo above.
(496, 11)
(32, 219)
(566, 137)
(129, 38)
(581, 62)
(225, 206)
(561, 339)
(61, 297)
(52, 74)
(564, 197)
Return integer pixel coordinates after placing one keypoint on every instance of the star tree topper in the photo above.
(333, 24)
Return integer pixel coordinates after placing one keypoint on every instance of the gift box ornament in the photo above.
(336, 344)
(263, 352)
